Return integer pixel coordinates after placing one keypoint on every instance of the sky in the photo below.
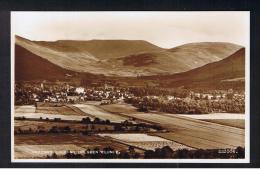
(164, 29)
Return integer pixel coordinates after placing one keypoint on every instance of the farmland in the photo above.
(195, 133)
(39, 146)
(228, 119)
(42, 151)
(120, 108)
(145, 141)
(213, 116)
(206, 131)
(64, 112)
(25, 109)
(94, 111)
(49, 116)
(47, 126)
(239, 123)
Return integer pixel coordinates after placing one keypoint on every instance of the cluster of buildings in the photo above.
(28, 94)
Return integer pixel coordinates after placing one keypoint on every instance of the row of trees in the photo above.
(155, 91)
(159, 153)
(167, 152)
(89, 127)
(41, 130)
(181, 106)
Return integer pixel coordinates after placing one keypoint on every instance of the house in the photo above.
(72, 98)
(105, 102)
(80, 90)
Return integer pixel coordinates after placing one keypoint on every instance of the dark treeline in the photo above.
(167, 152)
(159, 153)
(180, 106)
(155, 91)
(88, 127)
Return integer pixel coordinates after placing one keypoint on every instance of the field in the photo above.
(145, 141)
(119, 108)
(25, 109)
(64, 112)
(49, 116)
(213, 116)
(35, 126)
(38, 146)
(181, 132)
(239, 123)
(41, 151)
(228, 119)
(94, 111)
(189, 131)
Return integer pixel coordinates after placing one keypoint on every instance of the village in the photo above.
(177, 101)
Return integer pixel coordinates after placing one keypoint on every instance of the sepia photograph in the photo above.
(133, 86)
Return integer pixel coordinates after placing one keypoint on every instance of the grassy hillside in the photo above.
(127, 57)
(210, 75)
(29, 66)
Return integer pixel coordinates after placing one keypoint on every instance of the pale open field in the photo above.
(120, 108)
(25, 109)
(31, 112)
(37, 146)
(132, 137)
(214, 116)
(94, 111)
(62, 110)
(195, 133)
(50, 116)
(239, 123)
(145, 141)
(228, 119)
(41, 151)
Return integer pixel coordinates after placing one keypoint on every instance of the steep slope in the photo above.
(102, 49)
(127, 57)
(210, 75)
(201, 53)
(29, 66)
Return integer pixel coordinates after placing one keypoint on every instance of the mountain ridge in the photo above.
(127, 58)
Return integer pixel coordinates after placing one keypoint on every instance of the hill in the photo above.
(29, 66)
(126, 57)
(230, 70)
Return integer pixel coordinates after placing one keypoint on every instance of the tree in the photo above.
(107, 121)
(149, 154)
(92, 127)
(67, 129)
(54, 155)
(230, 96)
(68, 154)
(124, 155)
(166, 152)
(240, 152)
(54, 129)
(97, 120)
(86, 120)
(131, 150)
